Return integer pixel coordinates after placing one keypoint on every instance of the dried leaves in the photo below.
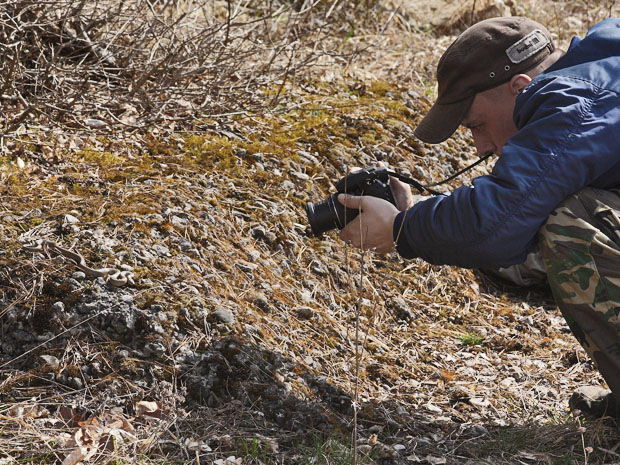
(78, 438)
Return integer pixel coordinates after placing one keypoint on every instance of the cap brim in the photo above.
(442, 120)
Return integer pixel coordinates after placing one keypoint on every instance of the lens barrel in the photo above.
(328, 214)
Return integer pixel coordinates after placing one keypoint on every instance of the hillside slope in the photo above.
(241, 337)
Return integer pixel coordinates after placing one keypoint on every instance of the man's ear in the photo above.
(518, 83)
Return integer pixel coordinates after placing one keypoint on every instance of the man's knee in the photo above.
(574, 221)
(570, 222)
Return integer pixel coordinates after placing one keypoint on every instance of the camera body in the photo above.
(330, 214)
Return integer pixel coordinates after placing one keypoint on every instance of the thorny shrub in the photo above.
(141, 62)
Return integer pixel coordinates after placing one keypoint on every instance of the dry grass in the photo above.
(137, 63)
(225, 196)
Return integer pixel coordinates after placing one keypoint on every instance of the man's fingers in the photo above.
(350, 201)
(351, 234)
(402, 194)
(353, 169)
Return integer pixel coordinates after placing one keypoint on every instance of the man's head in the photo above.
(479, 77)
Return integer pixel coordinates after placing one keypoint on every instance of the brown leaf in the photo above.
(27, 411)
(84, 437)
(447, 376)
(72, 417)
(435, 460)
(120, 424)
(149, 409)
(76, 456)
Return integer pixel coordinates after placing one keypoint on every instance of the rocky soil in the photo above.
(242, 339)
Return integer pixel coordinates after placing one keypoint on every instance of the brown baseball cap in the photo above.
(486, 55)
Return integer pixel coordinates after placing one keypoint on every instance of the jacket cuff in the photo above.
(400, 236)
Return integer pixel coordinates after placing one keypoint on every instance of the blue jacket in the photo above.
(568, 121)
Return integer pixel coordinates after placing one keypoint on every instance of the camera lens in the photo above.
(328, 214)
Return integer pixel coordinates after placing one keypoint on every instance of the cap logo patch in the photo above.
(529, 45)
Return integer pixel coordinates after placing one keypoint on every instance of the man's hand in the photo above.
(402, 194)
(401, 191)
(372, 228)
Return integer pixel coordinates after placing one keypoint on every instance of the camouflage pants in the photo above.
(580, 246)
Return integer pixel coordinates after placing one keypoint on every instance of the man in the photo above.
(554, 120)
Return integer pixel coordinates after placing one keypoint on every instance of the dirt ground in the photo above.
(239, 338)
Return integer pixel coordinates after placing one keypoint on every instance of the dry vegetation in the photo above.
(179, 140)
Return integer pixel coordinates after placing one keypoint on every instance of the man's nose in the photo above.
(483, 147)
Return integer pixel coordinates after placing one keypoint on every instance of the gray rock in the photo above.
(475, 430)
(123, 322)
(58, 307)
(157, 328)
(88, 307)
(178, 221)
(145, 256)
(308, 157)
(156, 218)
(79, 275)
(594, 402)
(185, 245)
(22, 336)
(8, 347)
(47, 336)
(76, 383)
(304, 313)
(95, 368)
(301, 176)
(319, 268)
(400, 308)
(247, 267)
(51, 360)
(224, 315)
(287, 185)
(155, 348)
(420, 172)
(379, 154)
(161, 250)
(259, 232)
(70, 219)
(261, 302)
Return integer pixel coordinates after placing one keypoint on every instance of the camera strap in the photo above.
(414, 183)
(426, 187)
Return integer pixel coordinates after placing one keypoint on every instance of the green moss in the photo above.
(471, 339)
(380, 88)
(103, 159)
(157, 147)
(82, 190)
(209, 150)
(14, 180)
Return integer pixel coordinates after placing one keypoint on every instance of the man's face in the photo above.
(490, 119)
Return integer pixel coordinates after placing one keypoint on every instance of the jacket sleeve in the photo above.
(567, 139)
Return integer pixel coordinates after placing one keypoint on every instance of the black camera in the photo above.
(330, 214)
